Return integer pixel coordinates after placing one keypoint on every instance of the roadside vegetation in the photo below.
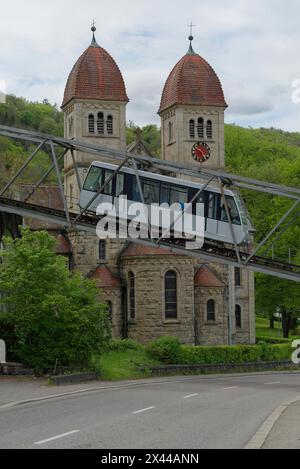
(130, 360)
(49, 316)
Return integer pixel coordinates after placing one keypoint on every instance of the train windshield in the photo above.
(93, 180)
(233, 211)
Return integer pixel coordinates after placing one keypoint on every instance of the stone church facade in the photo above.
(152, 292)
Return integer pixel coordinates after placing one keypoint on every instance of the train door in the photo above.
(212, 213)
(223, 224)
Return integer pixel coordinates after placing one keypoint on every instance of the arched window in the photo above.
(71, 196)
(192, 128)
(200, 127)
(237, 275)
(100, 123)
(171, 295)
(91, 124)
(238, 316)
(170, 132)
(211, 310)
(109, 124)
(102, 249)
(209, 129)
(109, 309)
(131, 296)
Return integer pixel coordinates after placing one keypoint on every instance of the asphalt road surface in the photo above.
(171, 413)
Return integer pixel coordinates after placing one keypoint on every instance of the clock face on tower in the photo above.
(201, 152)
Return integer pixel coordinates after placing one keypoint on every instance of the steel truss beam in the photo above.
(74, 221)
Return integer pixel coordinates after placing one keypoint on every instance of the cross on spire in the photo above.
(191, 26)
(191, 38)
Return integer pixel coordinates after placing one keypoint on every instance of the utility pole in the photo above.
(231, 302)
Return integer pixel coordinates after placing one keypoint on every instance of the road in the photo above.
(195, 412)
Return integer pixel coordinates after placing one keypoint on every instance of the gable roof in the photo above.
(206, 278)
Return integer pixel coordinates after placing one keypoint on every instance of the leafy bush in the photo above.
(166, 349)
(51, 315)
(235, 354)
(122, 345)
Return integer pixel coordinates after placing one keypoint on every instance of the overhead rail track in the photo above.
(84, 221)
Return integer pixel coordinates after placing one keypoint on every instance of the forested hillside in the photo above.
(265, 154)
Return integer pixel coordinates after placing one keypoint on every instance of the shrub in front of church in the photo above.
(166, 349)
(51, 317)
(122, 345)
(236, 354)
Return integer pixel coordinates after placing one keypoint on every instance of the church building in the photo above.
(152, 292)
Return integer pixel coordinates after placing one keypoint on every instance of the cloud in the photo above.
(251, 45)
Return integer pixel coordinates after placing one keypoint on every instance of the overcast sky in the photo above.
(253, 45)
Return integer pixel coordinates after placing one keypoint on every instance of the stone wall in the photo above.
(150, 320)
(211, 332)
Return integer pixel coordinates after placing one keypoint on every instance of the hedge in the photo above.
(191, 355)
(166, 349)
(272, 340)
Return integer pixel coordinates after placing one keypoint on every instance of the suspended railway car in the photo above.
(161, 189)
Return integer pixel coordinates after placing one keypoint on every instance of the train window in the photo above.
(233, 210)
(178, 195)
(212, 205)
(108, 189)
(165, 194)
(93, 180)
(120, 185)
(151, 192)
(136, 196)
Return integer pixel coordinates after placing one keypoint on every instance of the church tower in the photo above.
(192, 113)
(94, 107)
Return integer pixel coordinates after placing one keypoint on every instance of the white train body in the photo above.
(159, 189)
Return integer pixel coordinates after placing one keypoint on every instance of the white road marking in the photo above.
(190, 395)
(142, 410)
(56, 437)
(232, 387)
(274, 382)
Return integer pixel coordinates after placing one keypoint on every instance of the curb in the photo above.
(259, 439)
(73, 379)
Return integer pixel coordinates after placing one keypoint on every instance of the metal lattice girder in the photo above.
(75, 221)
(77, 145)
(207, 253)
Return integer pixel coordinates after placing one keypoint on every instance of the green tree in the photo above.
(50, 314)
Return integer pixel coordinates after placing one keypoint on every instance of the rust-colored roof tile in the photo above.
(95, 76)
(206, 278)
(105, 278)
(192, 81)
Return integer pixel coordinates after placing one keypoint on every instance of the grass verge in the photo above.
(116, 365)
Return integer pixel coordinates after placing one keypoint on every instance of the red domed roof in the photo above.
(95, 76)
(192, 81)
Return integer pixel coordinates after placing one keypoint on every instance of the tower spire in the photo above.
(94, 29)
(191, 38)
